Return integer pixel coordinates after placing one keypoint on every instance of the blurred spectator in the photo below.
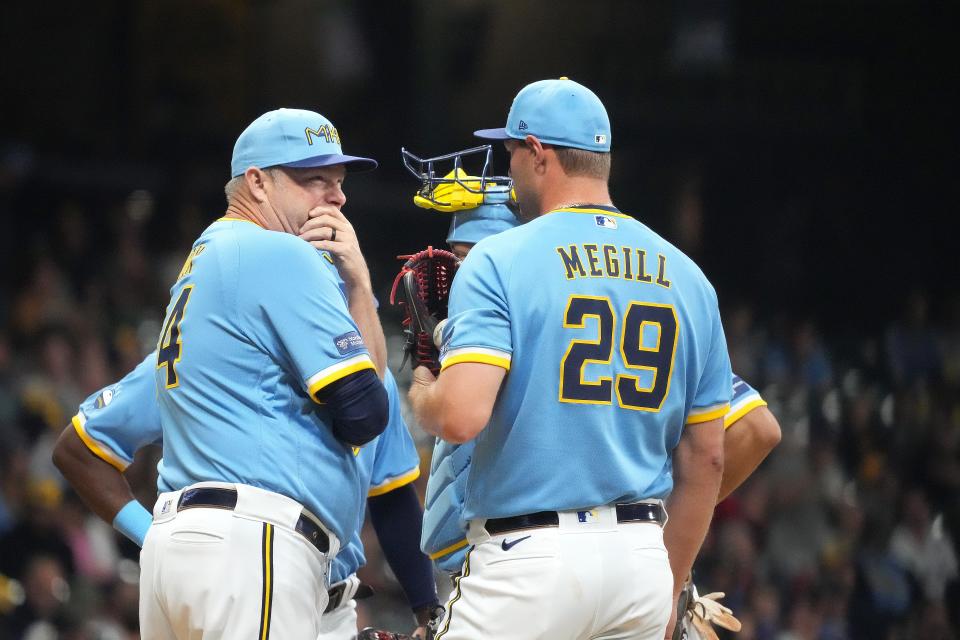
(912, 344)
(47, 591)
(13, 485)
(920, 544)
(37, 533)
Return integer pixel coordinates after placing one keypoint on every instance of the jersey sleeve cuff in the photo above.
(336, 371)
(394, 483)
(739, 410)
(98, 449)
(456, 546)
(479, 355)
(706, 414)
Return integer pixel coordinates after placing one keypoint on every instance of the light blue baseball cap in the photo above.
(560, 112)
(292, 138)
(470, 226)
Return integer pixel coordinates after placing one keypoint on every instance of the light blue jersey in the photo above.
(745, 399)
(612, 341)
(120, 419)
(444, 536)
(256, 326)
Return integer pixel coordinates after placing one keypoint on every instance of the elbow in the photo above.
(61, 452)
(458, 427)
(359, 428)
(59, 457)
(712, 460)
(456, 433)
(716, 463)
(768, 433)
(709, 458)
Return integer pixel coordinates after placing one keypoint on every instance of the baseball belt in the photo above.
(216, 498)
(635, 512)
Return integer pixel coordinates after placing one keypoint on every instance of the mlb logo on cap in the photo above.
(560, 112)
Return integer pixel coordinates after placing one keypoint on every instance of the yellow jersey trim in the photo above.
(456, 546)
(342, 369)
(739, 412)
(226, 219)
(708, 415)
(593, 211)
(99, 450)
(479, 355)
(395, 483)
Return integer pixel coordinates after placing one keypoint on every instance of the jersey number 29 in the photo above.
(657, 359)
(170, 346)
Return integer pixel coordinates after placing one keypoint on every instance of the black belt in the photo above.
(635, 512)
(214, 498)
(335, 594)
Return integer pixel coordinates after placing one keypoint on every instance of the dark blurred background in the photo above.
(799, 151)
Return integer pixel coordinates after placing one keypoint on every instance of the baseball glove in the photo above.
(422, 289)
(697, 614)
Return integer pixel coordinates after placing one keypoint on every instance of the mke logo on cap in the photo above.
(328, 133)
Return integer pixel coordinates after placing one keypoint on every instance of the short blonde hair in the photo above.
(582, 163)
(233, 185)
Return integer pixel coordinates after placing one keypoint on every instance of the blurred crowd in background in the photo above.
(795, 150)
(846, 531)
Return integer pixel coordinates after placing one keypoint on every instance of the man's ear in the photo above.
(539, 153)
(254, 179)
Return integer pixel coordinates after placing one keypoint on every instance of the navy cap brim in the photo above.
(352, 163)
(499, 133)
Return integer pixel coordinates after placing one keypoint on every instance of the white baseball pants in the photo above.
(221, 574)
(580, 580)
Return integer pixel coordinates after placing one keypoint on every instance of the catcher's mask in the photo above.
(447, 185)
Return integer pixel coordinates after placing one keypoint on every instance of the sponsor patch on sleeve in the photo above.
(348, 343)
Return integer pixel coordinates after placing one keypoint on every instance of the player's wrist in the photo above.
(425, 614)
(133, 521)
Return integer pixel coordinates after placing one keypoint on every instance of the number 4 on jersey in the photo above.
(170, 346)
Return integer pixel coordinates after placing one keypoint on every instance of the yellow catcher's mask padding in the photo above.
(453, 196)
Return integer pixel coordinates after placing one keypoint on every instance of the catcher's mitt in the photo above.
(697, 614)
(422, 289)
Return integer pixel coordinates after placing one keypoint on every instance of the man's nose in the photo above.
(337, 197)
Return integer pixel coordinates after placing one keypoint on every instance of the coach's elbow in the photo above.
(358, 427)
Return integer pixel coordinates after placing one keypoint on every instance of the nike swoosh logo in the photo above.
(506, 546)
